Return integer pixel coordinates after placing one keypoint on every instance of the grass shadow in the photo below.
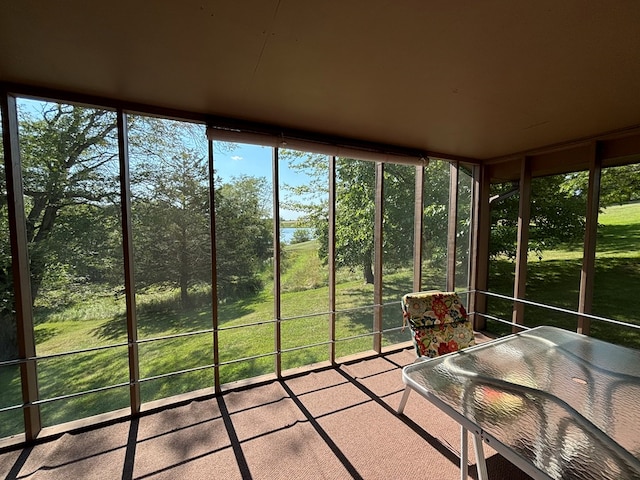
(167, 316)
(618, 239)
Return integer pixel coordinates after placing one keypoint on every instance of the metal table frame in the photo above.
(480, 435)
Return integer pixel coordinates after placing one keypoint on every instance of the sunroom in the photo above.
(206, 199)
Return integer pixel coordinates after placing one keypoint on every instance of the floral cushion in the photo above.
(438, 322)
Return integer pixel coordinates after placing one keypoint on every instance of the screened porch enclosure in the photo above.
(201, 199)
(156, 263)
(146, 262)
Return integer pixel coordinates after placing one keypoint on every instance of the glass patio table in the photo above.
(555, 403)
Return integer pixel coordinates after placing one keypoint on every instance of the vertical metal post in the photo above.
(377, 267)
(418, 223)
(588, 270)
(129, 280)
(332, 259)
(277, 313)
(452, 226)
(20, 268)
(214, 271)
(522, 249)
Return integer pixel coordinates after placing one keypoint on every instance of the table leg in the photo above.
(481, 463)
(403, 401)
(464, 454)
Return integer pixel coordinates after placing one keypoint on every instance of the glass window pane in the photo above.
(70, 171)
(302, 332)
(397, 233)
(355, 213)
(304, 272)
(81, 372)
(556, 248)
(617, 274)
(169, 171)
(435, 228)
(502, 251)
(244, 258)
(463, 231)
(353, 330)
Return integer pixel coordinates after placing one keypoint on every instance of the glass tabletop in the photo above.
(564, 402)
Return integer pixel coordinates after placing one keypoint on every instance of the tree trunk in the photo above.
(184, 269)
(184, 293)
(38, 263)
(366, 268)
(8, 337)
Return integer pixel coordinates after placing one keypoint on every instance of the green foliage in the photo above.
(558, 210)
(244, 235)
(355, 209)
(618, 185)
(170, 216)
(69, 162)
(436, 213)
(301, 235)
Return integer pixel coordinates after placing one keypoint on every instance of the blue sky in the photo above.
(255, 161)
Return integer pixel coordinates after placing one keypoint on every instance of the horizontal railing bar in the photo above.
(353, 337)
(501, 320)
(254, 324)
(337, 312)
(12, 407)
(177, 372)
(78, 394)
(10, 363)
(309, 315)
(560, 309)
(75, 352)
(175, 335)
(394, 329)
(229, 362)
(293, 349)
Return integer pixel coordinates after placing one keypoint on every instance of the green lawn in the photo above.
(555, 280)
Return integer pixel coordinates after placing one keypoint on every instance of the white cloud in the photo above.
(236, 158)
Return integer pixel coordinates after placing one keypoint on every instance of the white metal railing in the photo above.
(551, 307)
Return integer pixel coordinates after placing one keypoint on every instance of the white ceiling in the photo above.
(473, 78)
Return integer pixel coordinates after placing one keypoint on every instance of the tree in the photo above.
(301, 235)
(618, 185)
(558, 211)
(355, 209)
(67, 154)
(244, 235)
(170, 212)
(355, 212)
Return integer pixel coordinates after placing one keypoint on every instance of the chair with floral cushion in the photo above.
(438, 321)
(439, 324)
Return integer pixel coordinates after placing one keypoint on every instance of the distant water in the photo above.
(286, 234)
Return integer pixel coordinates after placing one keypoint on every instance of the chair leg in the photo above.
(403, 401)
